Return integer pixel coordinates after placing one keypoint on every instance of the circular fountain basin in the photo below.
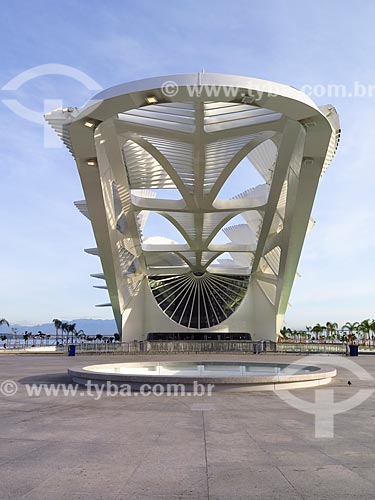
(225, 375)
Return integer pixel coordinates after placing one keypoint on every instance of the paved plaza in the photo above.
(223, 447)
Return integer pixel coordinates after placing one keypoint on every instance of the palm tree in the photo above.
(352, 337)
(70, 329)
(294, 334)
(80, 334)
(41, 336)
(328, 328)
(373, 330)
(344, 337)
(360, 333)
(365, 327)
(331, 330)
(26, 337)
(318, 329)
(370, 329)
(284, 333)
(64, 329)
(336, 336)
(351, 327)
(57, 323)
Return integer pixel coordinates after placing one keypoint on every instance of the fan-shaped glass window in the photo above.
(199, 300)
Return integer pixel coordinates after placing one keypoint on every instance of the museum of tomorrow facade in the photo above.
(137, 144)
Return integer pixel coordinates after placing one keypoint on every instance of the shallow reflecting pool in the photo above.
(203, 369)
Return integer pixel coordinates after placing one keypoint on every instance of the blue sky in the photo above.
(43, 270)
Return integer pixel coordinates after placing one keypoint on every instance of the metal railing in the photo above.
(199, 346)
(178, 346)
(215, 347)
(311, 348)
(210, 346)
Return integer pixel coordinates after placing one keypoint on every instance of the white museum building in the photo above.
(199, 189)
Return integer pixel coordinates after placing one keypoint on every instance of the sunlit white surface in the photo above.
(206, 369)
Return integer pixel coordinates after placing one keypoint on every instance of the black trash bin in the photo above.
(353, 350)
(72, 350)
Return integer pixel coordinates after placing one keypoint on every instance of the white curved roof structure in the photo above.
(136, 142)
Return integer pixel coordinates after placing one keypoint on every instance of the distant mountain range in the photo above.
(89, 326)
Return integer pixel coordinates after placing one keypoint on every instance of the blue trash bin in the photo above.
(353, 350)
(72, 350)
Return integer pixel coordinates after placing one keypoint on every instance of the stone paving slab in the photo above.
(226, 447)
